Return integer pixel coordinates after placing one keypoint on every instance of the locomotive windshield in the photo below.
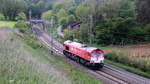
(97, 54)
(100, 54)
(94, 54)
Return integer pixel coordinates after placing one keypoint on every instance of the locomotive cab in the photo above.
(97, 58)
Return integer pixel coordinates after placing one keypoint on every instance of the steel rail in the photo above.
(108, 73)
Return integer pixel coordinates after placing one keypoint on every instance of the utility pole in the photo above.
(30, 14)
(52, 43)
(31, 24)
(90, 30)
(52, 26)
(52, 21)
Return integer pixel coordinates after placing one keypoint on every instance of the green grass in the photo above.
(14, 65)
(19, 66)
(7, 24)
(128, 68)
(23, 74)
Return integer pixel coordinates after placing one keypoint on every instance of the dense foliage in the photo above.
(143, 11)
(103, 21)
(47, 15)
(109, 22)
(2, 17)
(22, 26)
(10, 8)
(21, 16)
(140, 63)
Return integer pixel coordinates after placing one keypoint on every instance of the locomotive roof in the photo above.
(74, 43)
(79, 45)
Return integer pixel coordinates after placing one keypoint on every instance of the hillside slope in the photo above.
(18, 66)
(23, 63)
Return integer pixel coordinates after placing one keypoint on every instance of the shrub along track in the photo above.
(108, 74)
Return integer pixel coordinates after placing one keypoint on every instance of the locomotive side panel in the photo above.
(77, 51)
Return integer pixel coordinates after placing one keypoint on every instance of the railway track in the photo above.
(108, 75)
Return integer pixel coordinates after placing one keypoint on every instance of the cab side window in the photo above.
(67, 48)
(89, 54)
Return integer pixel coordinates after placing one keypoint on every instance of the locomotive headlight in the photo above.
(102, 58)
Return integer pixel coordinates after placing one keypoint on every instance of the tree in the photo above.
(37, 8)
(83, 33)
(47, 15)
(77, 2)
(68, 35)
(126, 9)
(62, 17)
(57, 7)
(72, 10)
(104, 33)
(71, 18)
(116, 31)
(22, 26)
(147, 33)
(82, 13)
(63, 21)
(16, 6)
(143, 11)
(2, 17)
(21, 16)
(71, 34)
(62, 13)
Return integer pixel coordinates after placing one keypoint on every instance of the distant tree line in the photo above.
(103, 21)
(10, 8)
(117, 22)
(143, 11)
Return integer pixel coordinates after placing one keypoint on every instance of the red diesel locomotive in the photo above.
(89, 56)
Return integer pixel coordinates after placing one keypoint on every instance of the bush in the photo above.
(21, 16)
(22, 26)
(2, 17)
(71, 18)
(63, 21)
(34, 44)
(147, 30)
(119, 57)
(47, 15)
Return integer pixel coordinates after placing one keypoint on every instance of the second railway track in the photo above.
(108, 75)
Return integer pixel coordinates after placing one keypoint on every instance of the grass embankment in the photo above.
(16, 64)
(9, 24)
(128, 68)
